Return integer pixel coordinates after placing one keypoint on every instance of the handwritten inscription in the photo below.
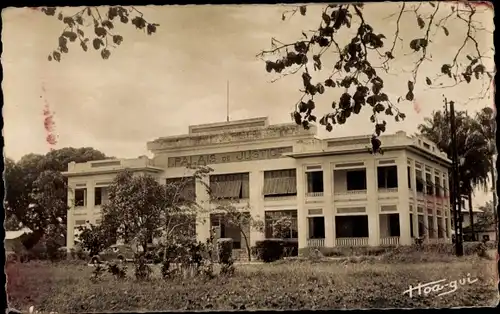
(238, 156)
(436, 286)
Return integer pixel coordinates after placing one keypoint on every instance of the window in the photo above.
(186, 188)
(351, 226)
(230, 186)
(387, 177)
(420, 181)
(447, 227)
(356, 180)
(438, 187)
(429, 187)
(316, 227)
(430, 226)
(80, 197)
(98, 196)
(280, 182)
(411, 226)
(394, 229)
(80, 222)
(271, 217)
(314, 181)
(409, 177)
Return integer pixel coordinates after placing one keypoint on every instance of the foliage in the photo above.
(36, 191)
(239, 217)
(471, 144)
(94, 238)
(345, 30)
(142, 269)
(485, 219)
(225, 249)
(99, 25)
(270, 250)
(282, 226)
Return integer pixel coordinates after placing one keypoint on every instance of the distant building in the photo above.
(335, 191)
(480, 230)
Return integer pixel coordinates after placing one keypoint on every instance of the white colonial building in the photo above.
(336, 192)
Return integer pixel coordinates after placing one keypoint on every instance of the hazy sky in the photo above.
(155, 86)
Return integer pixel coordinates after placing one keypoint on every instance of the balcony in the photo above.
(316, 243)
(349, 185)
(389, 241)
(350, 242)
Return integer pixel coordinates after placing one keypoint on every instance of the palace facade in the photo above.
(336, 193)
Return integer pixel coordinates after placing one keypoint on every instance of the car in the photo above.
(114, 253)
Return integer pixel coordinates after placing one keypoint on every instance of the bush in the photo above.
(225, 250)
(270, 250)
(142, 269)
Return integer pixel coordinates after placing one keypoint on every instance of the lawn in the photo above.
(65, 287)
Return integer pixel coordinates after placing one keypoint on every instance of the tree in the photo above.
(282, 227)
(486, 219)
(94, 238)
(472, 146)
(36, 191)
(239, 218)
(134, 208)
(99, 23)
(364, 54)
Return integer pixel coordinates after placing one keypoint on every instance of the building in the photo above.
(335, 191)
(484, 225)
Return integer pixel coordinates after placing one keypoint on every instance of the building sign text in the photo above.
(222, 158)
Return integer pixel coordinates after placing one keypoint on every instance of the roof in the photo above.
(10, 235)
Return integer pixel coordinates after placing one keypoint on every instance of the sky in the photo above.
(154, 86)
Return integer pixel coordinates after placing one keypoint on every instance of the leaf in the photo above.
(379, 108)
(409, 96)
(80, 32)
(420, 22)
(69, 21)
(96, 43)
(84, 46)
(105, 53)
(402, 115)
(108, 24)
(446, 32)
(428, 81)
(60, 16)
(432, 4)
(117, 39)
(283, 16)
(329, 83)
(303, 10)
(329, 127)
(297, 117)
(50, 11)
(304, 34)
(100, 31)
(151, 29)
(57, 56)
(139, 22)
(410, 86)
(320, 88)
(334, 104)
(79, 19)
(50, 58)
(70, 35)
(388, 111)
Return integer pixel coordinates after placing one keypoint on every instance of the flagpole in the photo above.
(227, 102)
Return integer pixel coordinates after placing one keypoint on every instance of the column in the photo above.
(203, 217)
(256, 204)
(301, 211)
(434, 206)
(426, 214)
(404, 201)
(328, 207)
(90, 197)
(413, 178)
(448, 222)
(70, 220)
(372, 202)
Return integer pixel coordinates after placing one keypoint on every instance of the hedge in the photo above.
(225, 250)
(271, 250)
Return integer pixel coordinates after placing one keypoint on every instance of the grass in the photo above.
(357, 283)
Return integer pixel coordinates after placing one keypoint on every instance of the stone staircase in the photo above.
(240, 255)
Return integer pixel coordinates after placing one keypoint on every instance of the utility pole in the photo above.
(456, 201)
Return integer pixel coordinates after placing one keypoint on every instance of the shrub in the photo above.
(142, 269)
(97, 273)
(118, 271)
(270, 250)
(225, 250)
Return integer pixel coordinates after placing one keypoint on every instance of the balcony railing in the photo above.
(280, 198)
(349, 242)
(388, 190)
(389, 241)
(314, 194)
(350, 192)
(315, 242)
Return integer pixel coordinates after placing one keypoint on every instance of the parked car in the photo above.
(114, 253)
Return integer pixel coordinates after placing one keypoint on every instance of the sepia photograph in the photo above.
(202, 157)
